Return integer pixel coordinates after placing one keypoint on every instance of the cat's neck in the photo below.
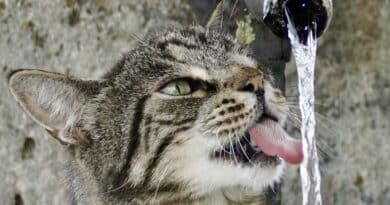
(232, 196)
(84, 190)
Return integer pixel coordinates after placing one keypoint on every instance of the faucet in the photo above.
(271, 25)
(305, 15)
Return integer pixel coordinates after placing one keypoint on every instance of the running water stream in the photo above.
(305, 56)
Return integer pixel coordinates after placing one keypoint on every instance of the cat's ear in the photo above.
(215, 19)
(53, 100)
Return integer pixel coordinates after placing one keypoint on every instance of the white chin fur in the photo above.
(221, 175)
(209, 175)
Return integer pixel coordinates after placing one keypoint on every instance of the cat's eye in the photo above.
(177, 87)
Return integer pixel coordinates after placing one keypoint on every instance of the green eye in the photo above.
(177, 87)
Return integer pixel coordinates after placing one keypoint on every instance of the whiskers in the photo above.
(232, 150)
(164, 174)
(116, 188)
(231, 146)
(133, 36)
(325, 129)
(238, 136)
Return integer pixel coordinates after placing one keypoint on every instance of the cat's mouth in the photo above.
(265, 142)
(244, 150)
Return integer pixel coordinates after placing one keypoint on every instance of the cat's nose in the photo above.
(252, 84)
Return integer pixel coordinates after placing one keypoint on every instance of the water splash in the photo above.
(305, 56)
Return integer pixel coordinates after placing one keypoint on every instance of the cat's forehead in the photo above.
(190, 52)
(198, 48)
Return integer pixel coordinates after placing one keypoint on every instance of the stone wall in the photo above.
(86, 37)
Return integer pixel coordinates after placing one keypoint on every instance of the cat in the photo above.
(187, 117)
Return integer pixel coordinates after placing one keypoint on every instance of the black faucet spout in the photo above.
(305, 15)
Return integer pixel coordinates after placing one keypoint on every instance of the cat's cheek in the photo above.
(214, 105)
(275, 103)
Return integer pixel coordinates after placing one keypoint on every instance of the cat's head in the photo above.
(182, 113)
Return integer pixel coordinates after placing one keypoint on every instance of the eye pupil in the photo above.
(177, 87)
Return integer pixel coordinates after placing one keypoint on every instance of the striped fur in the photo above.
(146, 147)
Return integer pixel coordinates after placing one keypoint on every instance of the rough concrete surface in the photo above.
(86, 37)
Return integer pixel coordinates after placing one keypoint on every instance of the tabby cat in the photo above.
(188, 117)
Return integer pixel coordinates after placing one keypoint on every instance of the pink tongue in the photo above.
(271, 138)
